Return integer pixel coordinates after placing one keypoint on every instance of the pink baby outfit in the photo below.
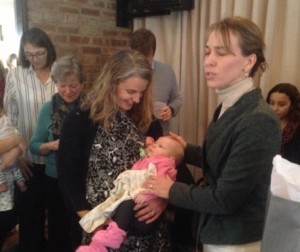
(126, 186)
(111, 237)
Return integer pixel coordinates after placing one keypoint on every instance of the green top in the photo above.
(43, 134)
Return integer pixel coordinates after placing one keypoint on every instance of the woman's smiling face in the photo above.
(130, 92)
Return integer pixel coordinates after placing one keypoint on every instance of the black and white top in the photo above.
(112, 153)
(90, 159)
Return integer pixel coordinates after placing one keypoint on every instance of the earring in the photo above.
(246, 75)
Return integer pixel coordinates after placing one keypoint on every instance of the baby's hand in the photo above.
(149, 141)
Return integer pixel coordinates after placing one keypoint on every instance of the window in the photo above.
(12, 25)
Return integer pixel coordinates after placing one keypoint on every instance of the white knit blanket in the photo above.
(126, 186)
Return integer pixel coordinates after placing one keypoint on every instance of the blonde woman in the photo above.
(102, 139)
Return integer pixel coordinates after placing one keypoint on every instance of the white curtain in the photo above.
(180, 43)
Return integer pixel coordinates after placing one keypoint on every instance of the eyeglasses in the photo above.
(36, 55)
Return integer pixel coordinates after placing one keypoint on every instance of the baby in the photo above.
(7, 131)
(160, 159)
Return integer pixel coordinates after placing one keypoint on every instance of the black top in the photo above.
(291, 150)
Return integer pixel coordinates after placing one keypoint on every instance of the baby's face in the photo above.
(161, 147)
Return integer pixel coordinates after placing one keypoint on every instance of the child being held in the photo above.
(7, 131)
(160, 159)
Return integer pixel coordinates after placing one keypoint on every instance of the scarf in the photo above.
(287, 134)
(60, 109)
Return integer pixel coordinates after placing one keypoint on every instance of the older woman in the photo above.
(68, 77)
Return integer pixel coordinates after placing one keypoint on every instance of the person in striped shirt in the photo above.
(27, 88)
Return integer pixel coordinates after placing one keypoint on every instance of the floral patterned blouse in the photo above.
(113, 152)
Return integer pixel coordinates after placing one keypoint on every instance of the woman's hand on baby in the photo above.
(159, 186)
(150, 211)
(178, 138)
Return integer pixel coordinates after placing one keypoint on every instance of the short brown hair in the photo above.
(143, 41)
(37, 38)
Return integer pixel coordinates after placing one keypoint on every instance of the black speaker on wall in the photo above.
(168, 4)
(129, 9)
(123, 19)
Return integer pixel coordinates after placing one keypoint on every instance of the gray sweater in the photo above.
(166, 90)
(236, 159)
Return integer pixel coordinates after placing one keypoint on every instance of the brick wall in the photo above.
(85, 28)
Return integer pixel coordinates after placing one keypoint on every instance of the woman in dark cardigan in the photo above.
(239, 147)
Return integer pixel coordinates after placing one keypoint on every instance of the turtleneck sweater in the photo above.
(231, 94)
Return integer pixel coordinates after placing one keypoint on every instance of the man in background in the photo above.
(164, 80)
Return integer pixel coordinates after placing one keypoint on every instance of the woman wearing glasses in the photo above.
(27, 88)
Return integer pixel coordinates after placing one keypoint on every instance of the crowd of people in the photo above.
(70, 150)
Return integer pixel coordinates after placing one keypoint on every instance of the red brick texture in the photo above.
(85, 28)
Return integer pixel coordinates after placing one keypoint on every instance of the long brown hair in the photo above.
(100, 99)
(144, 41)
(292, 92)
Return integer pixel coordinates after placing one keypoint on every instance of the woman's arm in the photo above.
(72, 161)
(39, 143)
(247, 167)
(46, 148)
(9, 143)
(10, 158)
(192, 153)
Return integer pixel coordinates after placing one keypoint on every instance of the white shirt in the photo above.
(23, 99)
